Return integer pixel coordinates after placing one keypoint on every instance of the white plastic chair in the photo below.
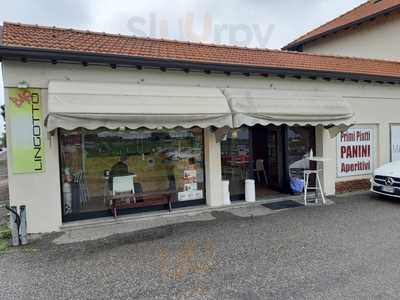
(260, 168)
(123, 185)
(80, 179)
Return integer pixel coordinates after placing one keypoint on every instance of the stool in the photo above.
(260, 168)
(317, 188)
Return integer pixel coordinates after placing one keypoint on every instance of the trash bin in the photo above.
(250, 190)
(225, 192)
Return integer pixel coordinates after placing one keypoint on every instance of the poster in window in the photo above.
(26, 127)
(190, 187)
(355, 152)
(395, 142)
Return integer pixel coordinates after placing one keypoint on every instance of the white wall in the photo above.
(373, 104)
(377, 39)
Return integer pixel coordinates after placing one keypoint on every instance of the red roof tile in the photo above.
(365, 11)
(74, 41)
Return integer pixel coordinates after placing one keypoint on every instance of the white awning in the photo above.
(93, 105)
(264, 107)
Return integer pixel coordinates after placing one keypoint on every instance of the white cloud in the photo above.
(290, 18)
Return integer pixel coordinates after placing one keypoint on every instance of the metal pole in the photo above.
(83, 151)
(22, 226)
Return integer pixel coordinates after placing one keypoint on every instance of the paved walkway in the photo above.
(101, 228)
(349, 250)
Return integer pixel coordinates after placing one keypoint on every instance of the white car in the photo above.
(386, 180)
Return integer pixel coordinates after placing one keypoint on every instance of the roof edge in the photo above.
(7, 52)
(223, 46)
(128, 36)
(300, 42)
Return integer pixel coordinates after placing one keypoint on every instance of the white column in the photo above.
(326, 147)
(40, 192)
(213, 169)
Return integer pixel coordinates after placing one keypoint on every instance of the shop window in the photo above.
(160, 160)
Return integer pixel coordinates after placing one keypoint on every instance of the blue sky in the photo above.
(253, 23)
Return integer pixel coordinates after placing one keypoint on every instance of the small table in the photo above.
(242, 165)
(319, 159)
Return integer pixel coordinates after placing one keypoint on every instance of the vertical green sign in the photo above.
(26, 130)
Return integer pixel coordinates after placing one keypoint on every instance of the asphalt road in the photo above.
(350, 250)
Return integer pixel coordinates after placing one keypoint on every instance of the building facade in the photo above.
(369, 31)
(184, 127)
(369, 40)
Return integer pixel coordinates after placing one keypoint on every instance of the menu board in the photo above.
(355, 152)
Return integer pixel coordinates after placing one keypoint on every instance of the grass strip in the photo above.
(5, 236)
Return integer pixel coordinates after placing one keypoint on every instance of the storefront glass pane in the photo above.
(300, 141)
(237, 161)
(162, 160)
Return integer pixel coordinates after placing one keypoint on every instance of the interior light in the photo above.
(234, 134)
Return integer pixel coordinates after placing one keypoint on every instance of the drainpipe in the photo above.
(19, 234)
(14, 223)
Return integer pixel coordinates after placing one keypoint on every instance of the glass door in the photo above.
(300, 141)
(236, 159)
(271, 155)
(274, 156)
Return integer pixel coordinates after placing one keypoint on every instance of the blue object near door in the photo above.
(296, 185)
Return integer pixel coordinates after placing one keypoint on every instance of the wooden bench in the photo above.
(138, 200)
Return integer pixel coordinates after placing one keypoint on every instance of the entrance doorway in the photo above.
(267, 145)
(274, 156)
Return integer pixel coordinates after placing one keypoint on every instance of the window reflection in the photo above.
(160, 160)
(300, 143)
